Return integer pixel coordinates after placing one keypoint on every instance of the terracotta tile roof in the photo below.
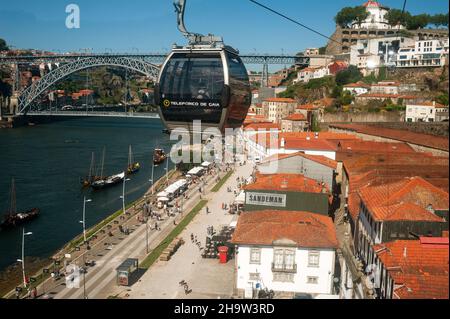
(311, 145)
(387, 202)
(323, 140)
(436, 142)
(357, 85)
(419, 268)
(315, 158)
(372, 146)
(435, 104)
(255, 117)
(295, 117)
(386, 84)
(308, 107)
(308, 70)
(387, 96)
(287, 183)
(279, 100)
(306, 229)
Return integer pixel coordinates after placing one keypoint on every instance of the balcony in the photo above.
(284, 268)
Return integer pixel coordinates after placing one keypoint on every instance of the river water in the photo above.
(47, 162)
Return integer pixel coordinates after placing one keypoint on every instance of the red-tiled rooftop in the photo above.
(315, 158)
(295, 117)
(373, 147)
(431, 141)
(303, 228)
(388, 96)
(393, 201)
(419, 268)
(280, 100)
(435, 104)
(357, 85)
(304, 140)
(308, 107)
(287, 183)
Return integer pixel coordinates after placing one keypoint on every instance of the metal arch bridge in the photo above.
(94, 114)
(32, 92)
(155, 58)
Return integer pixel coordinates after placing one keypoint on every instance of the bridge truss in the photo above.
(36, 89)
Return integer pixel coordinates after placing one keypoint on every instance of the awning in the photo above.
(206, 164)
(240, 199)
(162, 194)
(196, 170)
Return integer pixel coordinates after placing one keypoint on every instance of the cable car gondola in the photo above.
(205, 80)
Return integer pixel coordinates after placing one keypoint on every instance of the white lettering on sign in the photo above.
(265, 199)
(73, 19)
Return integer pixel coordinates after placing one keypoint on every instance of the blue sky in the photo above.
(150, 25)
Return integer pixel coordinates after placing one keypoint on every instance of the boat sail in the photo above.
(91, 177)
(12, 218)
(133, 167)
(104, 182)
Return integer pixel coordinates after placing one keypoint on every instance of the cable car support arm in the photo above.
(194, 38)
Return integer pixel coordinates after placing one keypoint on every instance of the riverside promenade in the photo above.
(206, 277)
(109, 252)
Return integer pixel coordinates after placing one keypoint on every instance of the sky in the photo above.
(150, 25)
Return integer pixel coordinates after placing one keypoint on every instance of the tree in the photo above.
(349, 75)
(442, 99)
(439, 20)
(361, 14)
(395, 17)
(418, 22)
(3, 45)
(347, 15)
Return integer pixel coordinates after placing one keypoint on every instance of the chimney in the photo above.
(316, 135)
(405, 250)
(283, 142)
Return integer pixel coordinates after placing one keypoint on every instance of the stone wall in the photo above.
(438, 129)
(345, 117)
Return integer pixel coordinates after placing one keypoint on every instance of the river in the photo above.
(47, 162)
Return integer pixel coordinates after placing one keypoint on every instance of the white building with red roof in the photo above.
(426, 112)
(285, 251)
(376, 18)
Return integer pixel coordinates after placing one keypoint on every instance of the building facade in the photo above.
(287, 252)
(426, 112)
(275, 109)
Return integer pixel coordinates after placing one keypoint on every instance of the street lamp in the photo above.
(23, 255)
(83, 222)
(152, 180)
(123, 193)
(167, 169)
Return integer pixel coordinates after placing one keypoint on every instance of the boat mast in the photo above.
(130, 157)
(103, 162)
(92, 167)
(13, 207)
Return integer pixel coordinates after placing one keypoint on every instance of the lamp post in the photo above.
(152, 180)
(23, 256)
(123, 194)
(83, 222)
(167, 170)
